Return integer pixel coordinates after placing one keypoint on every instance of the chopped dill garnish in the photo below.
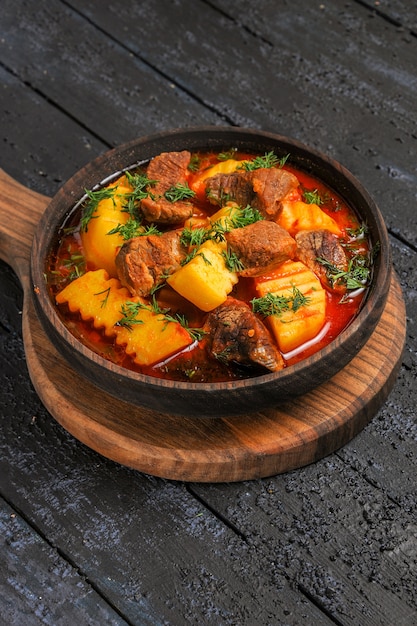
(359, 232)
(274, 304)
(356, 276)
(194, 163)
(225, 156)
(129, 311)
(180, 191)
(90, 206)
(131, 229)
(232, 261)
(268, 160)
(244, 217)
(194, 253)
(134, 228)
(75, 265)
(140, 184)
(106, 297)
(314, 197)
(193, 236)
(195, 333)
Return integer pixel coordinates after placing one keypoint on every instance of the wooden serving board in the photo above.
(202, 450)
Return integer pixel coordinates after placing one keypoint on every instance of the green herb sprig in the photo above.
(180, 191)
(274, 304)
(232, 261)
(356, 276)
(90, 206)
(314, 197)
(268, 160)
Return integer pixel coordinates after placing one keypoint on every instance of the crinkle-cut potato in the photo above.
(100, 248)
(99, 299)
(297, 215)
(293, 328)
(205, 280)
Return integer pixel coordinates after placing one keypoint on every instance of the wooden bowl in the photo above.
(225, 398)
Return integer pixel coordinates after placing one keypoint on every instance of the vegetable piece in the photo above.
(100, 247)
(149, 337)
(152, 338)
(297, 215)
(299, 310)
(225, 215)
(97, 298)
(205, 280)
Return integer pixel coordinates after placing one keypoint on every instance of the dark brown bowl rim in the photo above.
(302, 156)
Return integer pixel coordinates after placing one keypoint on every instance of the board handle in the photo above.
(20, 211)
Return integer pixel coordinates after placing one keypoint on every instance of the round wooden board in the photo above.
(222, 449)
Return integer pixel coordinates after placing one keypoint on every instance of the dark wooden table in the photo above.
(87, 541)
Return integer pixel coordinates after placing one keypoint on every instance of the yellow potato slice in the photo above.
(99, 247)
(293, 328)
(297, 215)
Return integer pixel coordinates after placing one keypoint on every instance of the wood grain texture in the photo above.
(217, 450)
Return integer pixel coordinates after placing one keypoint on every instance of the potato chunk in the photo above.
(292, 328)
(205, 280)
(297, 215)
(152, 338)
(100, 248)
(97, 298)
(100, 300)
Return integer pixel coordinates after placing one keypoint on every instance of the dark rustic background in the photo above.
(86, 541)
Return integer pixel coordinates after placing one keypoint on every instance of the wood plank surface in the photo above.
(55, 591)
(331, 543)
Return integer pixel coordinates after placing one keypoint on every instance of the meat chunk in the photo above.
(237, 335)
(263, 189)
(261, 246)
(322, 244)
(235, 187)
(271, 186)
(144, 262)
(168, 169)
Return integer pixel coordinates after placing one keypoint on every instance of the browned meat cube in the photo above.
(263, 189)
(322, 244)
(236, 335)
(235, 187)
(168, 169)
(261, 246)
(270, 186)
(144, 262)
